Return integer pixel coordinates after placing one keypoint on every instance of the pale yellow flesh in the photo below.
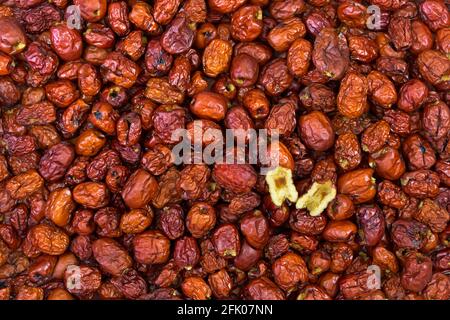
(317, 198)
(279, 192)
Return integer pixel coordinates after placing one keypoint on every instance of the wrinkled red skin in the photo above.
(92, 190)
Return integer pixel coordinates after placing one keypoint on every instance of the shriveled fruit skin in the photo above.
(224, 149)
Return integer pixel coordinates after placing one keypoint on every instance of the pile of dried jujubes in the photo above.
(92, 205)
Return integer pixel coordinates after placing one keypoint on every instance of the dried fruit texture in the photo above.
(24, 185)
(288, 270)
(217, 57)
(331, 54)
(151, 247)
(60, 206)
(48, 239)
(316, 131)
(352, 97)
(317, 198)
(281, 186)
(139, 189)
(359, 185)
(431, 214)
(238, 178)
(111, 256)
(161, 91)
(284, 34)
(95, 203)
